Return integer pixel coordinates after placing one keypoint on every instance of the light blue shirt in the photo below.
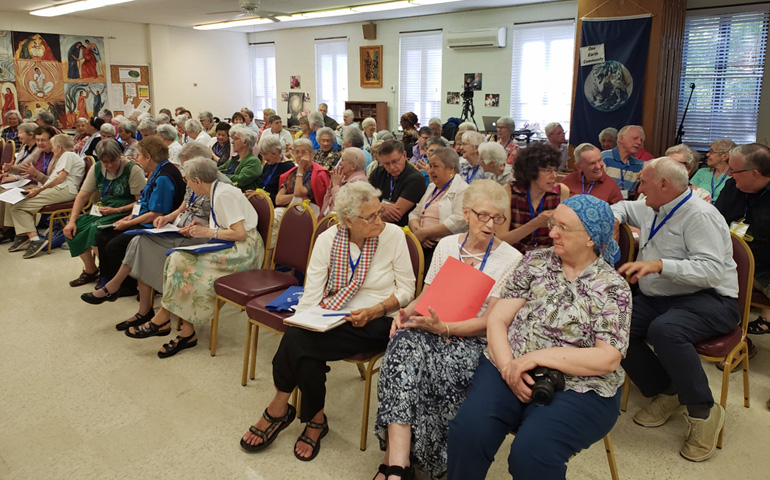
(626, 175)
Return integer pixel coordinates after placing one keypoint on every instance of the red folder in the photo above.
(457, 292)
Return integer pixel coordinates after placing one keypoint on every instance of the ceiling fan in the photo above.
(252, 8)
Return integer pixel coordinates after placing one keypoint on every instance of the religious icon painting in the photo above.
(39, 81)
(6, 57)
(82, 58)
(41, 47)
(83, 100)
(8, 99)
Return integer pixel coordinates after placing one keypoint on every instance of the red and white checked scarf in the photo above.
(338, 291)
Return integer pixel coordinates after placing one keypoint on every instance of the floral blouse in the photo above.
(560, 313)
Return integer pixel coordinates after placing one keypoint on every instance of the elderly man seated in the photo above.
(590, 177)
(688, 286)
(276, 130)
(400, 184)
(621, 163)
(554, 133)
(323, 109)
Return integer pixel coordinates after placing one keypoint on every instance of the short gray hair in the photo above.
(625, 130)
(506, 122)
(467, 127)
(473, 137)
(194, 150)
(351, 196)
(492, 152)
(551, 127)
(691, 157)
(448, 157)
(206, 115)
(105, 112)
(724, 144)
(64, 141)
(435, 120)
(128, 126)
(440, 141)
(12, 112)
(612, 132)
(247, 134)
(315, 118)
(488, 190)
(270, 144)
(193, 125)
(148, 124)
(181, 119)
(356, 156)
(107, 128)
(167, 131)
(667, 167)
(28, 128)
(348, 113)
(201, 168)
(324, 131)
(163, 119)
(46, 117)
(385, 135)
(352, 135)
(368, 121)
(108, 148)
(302, 142)
(583, 147)
(756, 156)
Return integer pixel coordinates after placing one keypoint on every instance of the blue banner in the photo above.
(609, 93)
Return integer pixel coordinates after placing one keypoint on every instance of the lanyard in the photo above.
(392, 184)
(583, 185)
(486, 254)
(655, 229)
(719, 184)
(193, 196)
(353, 266)
(12, 134)
(47, 157)
(747, 205)
(213, 214)
(151, 184)
(369, 140)
(29, 152)
(539, 208)
(436, 193)
(471, 173)
(218, 149)
(270, 177)
(106, 188)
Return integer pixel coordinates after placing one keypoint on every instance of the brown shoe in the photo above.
(85, 278)
(702, 439)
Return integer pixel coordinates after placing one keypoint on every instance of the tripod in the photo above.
(468, 110)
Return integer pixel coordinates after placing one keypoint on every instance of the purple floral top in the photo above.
(560, 313)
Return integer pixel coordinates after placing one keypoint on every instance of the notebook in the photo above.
(457, 293)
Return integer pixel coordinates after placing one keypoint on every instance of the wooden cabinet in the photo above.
(376, 110)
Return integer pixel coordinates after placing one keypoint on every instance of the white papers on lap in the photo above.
(167, 228)
(313, 319)
(12, 196)
(16, 184)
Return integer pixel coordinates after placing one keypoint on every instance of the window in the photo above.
(263, 85)
(724, 56)
(331, 75)
(419, 75)
(541, 76)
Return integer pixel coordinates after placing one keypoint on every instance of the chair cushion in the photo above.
(57, 206)
(243, 286)
(364, 357)
(719, 346)
(256, 310)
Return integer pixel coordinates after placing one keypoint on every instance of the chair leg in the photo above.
(723, 398)
(50, 231)
(254, 351)
(215, 326)
(611, 457)
(246, 353)
(178, 324)
(361, 371)
(624, 395)
(746, 380)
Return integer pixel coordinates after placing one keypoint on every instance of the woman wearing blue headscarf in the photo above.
(564, 308)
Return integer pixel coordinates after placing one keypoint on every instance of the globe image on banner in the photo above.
(608, 87)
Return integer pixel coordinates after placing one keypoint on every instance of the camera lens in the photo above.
(542, 392)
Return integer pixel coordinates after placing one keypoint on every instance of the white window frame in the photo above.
(331, 75)
(420, 61)
(263, 84)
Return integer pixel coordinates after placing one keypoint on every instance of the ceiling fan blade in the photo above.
(225, 12)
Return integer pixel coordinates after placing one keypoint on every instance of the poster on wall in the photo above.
(130, 88)
(296, 106)
(82, 58)
(83, 100)
(8, 98)
(6, 57)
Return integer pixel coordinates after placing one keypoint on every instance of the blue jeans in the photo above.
(546, 436)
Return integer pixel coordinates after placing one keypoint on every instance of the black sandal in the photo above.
(153, 330)
(760, 326)
(406, 473)
(381, 470)
(94, 300)
(85, 278)
(276, 424)
(178, 344)
(139, 319)
(315, 444)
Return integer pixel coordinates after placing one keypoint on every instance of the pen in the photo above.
(345, 314)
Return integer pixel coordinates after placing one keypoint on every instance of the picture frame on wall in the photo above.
(371, 66)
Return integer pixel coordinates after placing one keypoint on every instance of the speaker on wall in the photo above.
(370, 31)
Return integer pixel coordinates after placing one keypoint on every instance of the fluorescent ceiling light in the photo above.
(233, 23)
(328, 13)
(431, 2)
(75, 7)
(381, 7)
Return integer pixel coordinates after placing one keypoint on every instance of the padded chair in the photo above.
(8, 153)
(731, 348)
(292, 249)
(627, 245)
(61, 211)
(324, 224)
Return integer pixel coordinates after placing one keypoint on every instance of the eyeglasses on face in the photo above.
(559, 227)
(484, 217)
(373, 217)
(548, 170)
(731, 172)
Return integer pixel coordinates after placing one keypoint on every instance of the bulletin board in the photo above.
(130, 88)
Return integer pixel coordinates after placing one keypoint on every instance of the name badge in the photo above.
(625, 194)
(177, 220)
(740, 229)
(135, 210)
(95, 210)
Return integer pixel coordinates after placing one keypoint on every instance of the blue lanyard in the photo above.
(486, 254)
(11, 135)
(392, 183)
(656, 229)
(29, 152)
(583, 185)
(193, 196)
(436, 194)
(471, 173)
(213, 214)
(719, 184)
(353, 266)
(151, 183)
(218, 149)
(46, 160)
(270, 177)
(539, 208)
(106, 188)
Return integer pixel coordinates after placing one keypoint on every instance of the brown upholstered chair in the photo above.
(292, 249)
(627, 245)
(325, 223)
(60, 212)
(8, 153)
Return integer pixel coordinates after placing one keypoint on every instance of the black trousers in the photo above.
(112, 245)
(302, 355)
(672, 325)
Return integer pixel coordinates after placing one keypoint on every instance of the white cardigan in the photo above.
(450, 205)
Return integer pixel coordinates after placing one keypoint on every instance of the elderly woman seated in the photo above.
(353, 137)
(379, 281)
(94, 130)
(27, 154)
(116, 184)
(608, 138)
(188, 277)
(181, 130)
(689, 158)
(271, 151)
(534, 195)
(714, 176)
(167, 134)
(506, 138)
(196, 132)
(243, 168)
(370, 132)
(108, 130)
(61, 186)
(429, 363)
(351, 168)
(127, 133)
(81, 134)
(440, 210)
(304, 128)
(492, 158)
(221, 147)
(563, 311)
(307, 181)
(470, 166)
(162, 194)
(328, 155)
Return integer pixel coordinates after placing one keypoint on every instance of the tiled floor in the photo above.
(79, 400)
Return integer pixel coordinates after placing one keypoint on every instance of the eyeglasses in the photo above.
(559, 227)
(548, 170)
(730, 171)
(484, 217)
(373, 217)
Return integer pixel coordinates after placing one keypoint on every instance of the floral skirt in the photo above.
(188, 278)
(422, 383)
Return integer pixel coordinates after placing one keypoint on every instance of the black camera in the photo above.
(547, 382)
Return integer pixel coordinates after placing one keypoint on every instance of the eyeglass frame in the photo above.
(553, 225)
(373, 217)
(489, 217)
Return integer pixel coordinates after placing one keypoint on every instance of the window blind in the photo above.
(419, 77)
(331, 75)
(724, 56)
(541, 74)
(263, 84)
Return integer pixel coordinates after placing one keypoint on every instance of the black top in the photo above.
(330, 122)
(273, 172)
(733, 205)
(409, 185)
(172, 172)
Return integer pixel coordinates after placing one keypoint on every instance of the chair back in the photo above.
(295, 237)
(744, 260)
(417, 257)
(262, 204)
(8, 153)
(324, 224)
(626, 244)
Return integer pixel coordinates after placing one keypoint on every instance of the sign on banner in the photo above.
(591, 55)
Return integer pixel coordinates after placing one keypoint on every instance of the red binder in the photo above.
(457, 292)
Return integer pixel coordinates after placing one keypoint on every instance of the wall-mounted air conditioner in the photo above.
(484, 38)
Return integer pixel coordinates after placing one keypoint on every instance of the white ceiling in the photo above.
(186, 13)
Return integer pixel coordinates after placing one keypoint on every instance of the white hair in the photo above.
(193, 126)
(492, 153)
(348, 113)
(583, 147)
(473, 137)
(108, 129)
(148, 124)
(167, 131)
(435, 120)
(625, 130)
(368, 121)
(315, 118)
(351, 196)
(551, 127)
(612, 132)
(467, 127)
(667, 167)
(356, 156)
